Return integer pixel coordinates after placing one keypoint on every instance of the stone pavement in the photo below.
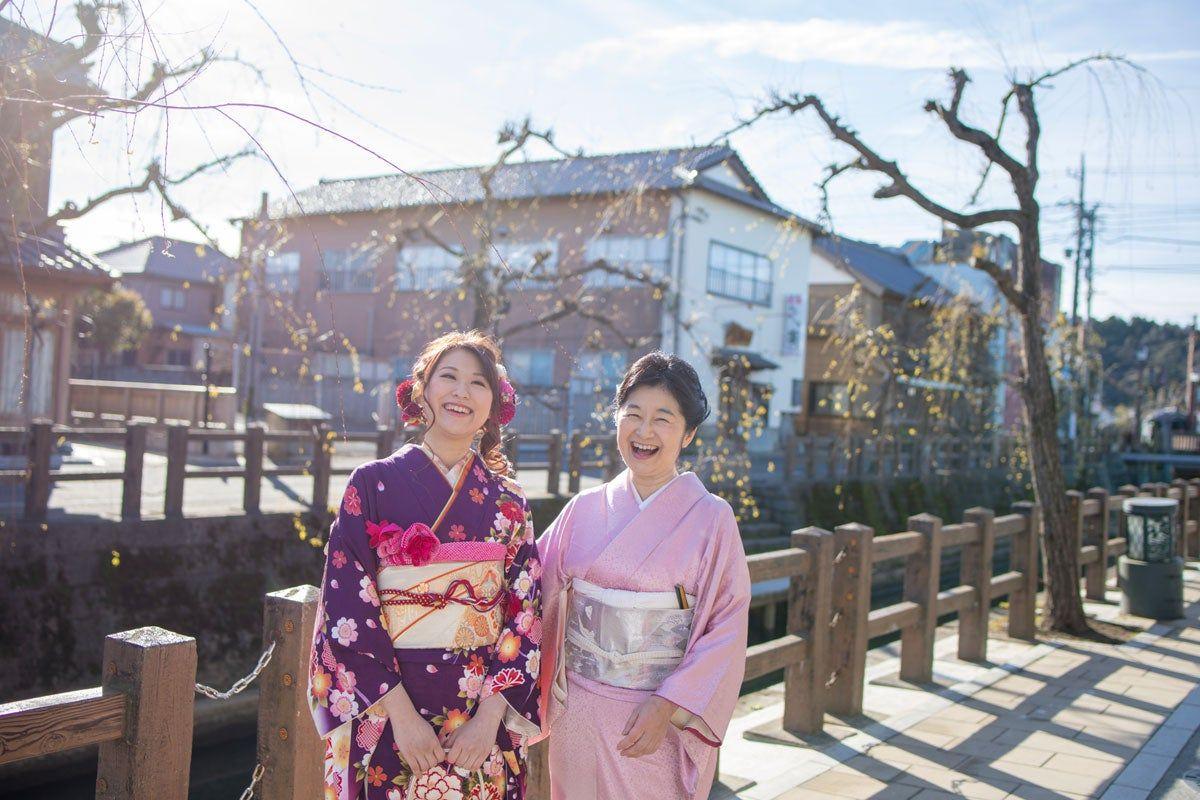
(1057, 719)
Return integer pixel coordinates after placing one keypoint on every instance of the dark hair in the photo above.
(673, 374)
(485, 349)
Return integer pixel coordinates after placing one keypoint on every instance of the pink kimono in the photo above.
(641, 598)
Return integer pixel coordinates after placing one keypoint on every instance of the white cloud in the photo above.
(897, 45)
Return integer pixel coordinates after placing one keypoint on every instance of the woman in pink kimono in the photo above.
(425, 657)
(646, 597)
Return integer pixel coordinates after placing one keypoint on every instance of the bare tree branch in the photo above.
(871, 161)
(154, 178)
(960, 130)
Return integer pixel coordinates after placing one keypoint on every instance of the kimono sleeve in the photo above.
(705, 684)
(516, 657)
(352, 664)
(551, 547)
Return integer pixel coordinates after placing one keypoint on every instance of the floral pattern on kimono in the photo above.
(354, 664)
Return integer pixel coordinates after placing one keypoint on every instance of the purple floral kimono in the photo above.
(434, 588)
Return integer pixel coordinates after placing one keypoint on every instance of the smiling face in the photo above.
(458, 394)
(651, 432)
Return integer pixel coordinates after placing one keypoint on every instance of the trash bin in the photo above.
(1150, 574)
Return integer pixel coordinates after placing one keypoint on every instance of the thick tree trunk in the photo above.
(1060, 552)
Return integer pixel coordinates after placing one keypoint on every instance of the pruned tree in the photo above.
(1021, 288)
(113, 321)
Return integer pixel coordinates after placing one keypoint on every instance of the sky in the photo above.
(408, 85)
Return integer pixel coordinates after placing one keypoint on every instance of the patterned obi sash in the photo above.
(633, 640)
(455, 600)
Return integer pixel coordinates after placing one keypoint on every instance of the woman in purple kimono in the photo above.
(647, 593)
(426, 656)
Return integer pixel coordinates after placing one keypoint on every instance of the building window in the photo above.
(829, 400)
(349, 271)
(739, 274)
(283, 272)
(797, 393)
(650, 255)
(173, 299)
(426, 268)
(179, 358)
(523, 258)
(530, 366)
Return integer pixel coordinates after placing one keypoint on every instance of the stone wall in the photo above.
(64, 586)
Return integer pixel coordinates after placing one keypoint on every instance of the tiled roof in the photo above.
(47, 255)
(616, 173)
(176, 258)
(882, 266)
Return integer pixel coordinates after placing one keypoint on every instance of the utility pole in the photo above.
(1190, 378)
(1075, 353)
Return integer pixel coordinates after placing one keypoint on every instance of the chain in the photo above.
(241, 684)
(248, 792)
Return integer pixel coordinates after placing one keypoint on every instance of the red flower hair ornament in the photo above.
(410, 410)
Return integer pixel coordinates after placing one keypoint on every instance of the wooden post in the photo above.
(37, 487)
(156, 671)
(1179, 488)
(252, 489)
(848, 617)
(1096, 533)
(321, 464)
(288, 746)
(612, 459)
(554, 463)
(976, 572)
(922, 572)
(1022, 603)
(810, 602)
(177, 453)
(511, 449)
(135, 459)
(537, 777)
(385, 441)
(1075, 520)
(788, 439)
(575, 464)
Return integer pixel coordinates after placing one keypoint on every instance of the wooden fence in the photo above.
(38, 442)
(141, 715)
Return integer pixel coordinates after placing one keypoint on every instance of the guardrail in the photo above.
(141, 715)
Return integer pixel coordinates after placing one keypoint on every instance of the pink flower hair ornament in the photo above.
(410, 410)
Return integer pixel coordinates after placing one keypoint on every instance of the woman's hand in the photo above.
(416, 742)
(646, 727)
(469, 746)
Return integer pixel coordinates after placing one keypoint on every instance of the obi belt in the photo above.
(633, 640)
(455, 600)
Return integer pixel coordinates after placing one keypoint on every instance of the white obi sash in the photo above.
(633, 640)
(456, 600)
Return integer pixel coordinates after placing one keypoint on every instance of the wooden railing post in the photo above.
(848, 617)
(177, 453)
(37, 487)
(288, 746)
(810, 604)
(322, 461)
(922, 572)
(1075, 520)
(612, 459)
(575, 464)
(156, 670)
(385, 441)
(1096, 535)
(554, 463)
(1022, 603)
(252, 489)
(976, 572)
(135, 460)
(512, 447)
(537, 777)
